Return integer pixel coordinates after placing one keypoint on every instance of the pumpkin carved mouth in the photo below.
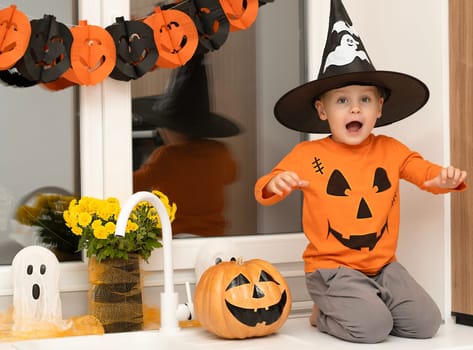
(251, 317)
(358, 242)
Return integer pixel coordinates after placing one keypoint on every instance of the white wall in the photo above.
(409, 37)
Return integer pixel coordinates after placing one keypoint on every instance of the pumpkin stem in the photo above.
(239, 260)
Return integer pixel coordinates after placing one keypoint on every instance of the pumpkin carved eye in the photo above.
(337, 184)
(266, 277)
(238, 281)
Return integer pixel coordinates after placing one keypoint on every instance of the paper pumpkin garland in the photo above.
(136, 50)
(13, 78)
(58, 84)
(241, 13)
(15, 32)
(211, 22)
(48, 52)
(93, 54)
(47, 55)
(175, 36)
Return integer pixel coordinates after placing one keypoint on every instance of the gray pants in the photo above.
(364, 309)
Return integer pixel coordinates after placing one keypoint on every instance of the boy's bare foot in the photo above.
(314, 315)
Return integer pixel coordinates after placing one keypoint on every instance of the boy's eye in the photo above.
(365, 99)
(342, 100)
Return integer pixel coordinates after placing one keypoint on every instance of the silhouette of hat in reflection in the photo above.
(346, 62)
(184, 106)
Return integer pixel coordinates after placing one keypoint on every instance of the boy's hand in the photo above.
(450, 177)
(283, 183)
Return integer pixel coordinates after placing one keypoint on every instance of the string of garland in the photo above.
(45, 51)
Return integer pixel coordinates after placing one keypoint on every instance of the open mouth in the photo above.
(267, 315)
(354, 126)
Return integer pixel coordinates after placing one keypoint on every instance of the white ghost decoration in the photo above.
(347, 50)
(36, 300)
(213, 253)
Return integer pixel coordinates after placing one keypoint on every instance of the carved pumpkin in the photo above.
(15, 32)
(175, 36)
(47, 56)
(239, 299)
(240, 13)
(136, 50)
(93, 54)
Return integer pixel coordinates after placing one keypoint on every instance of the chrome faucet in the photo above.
(170, 310)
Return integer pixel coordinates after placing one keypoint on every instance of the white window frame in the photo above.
(106, 160)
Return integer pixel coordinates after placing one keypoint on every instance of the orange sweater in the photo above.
(193, 175)
(351, 206)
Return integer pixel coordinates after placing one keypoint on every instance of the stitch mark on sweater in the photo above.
(318, 166)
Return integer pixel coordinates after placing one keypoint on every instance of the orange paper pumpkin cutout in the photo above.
(240, 13)
(15, 32)
(175, 36)
(58, 84)
(93, 54)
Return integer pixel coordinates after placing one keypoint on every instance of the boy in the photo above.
(350, 181)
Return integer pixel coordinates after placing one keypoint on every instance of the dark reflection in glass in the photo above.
(191, 164)
(38, 140)
(246, 76)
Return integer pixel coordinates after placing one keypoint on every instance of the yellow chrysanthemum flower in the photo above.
(110, 227)
(84, 219)
(76, 230)
(131, 226)
(100, 232)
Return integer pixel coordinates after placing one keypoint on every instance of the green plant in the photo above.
(94, 220)
(46, 213)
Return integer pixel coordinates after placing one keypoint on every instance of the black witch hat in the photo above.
(346, 62)
(184, 106)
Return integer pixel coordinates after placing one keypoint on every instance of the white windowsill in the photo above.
(282, 250)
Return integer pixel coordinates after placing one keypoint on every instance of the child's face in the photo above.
(351, 112)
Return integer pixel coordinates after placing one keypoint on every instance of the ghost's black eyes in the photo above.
(42, 269)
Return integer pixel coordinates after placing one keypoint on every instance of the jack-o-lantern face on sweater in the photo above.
(353, 219)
